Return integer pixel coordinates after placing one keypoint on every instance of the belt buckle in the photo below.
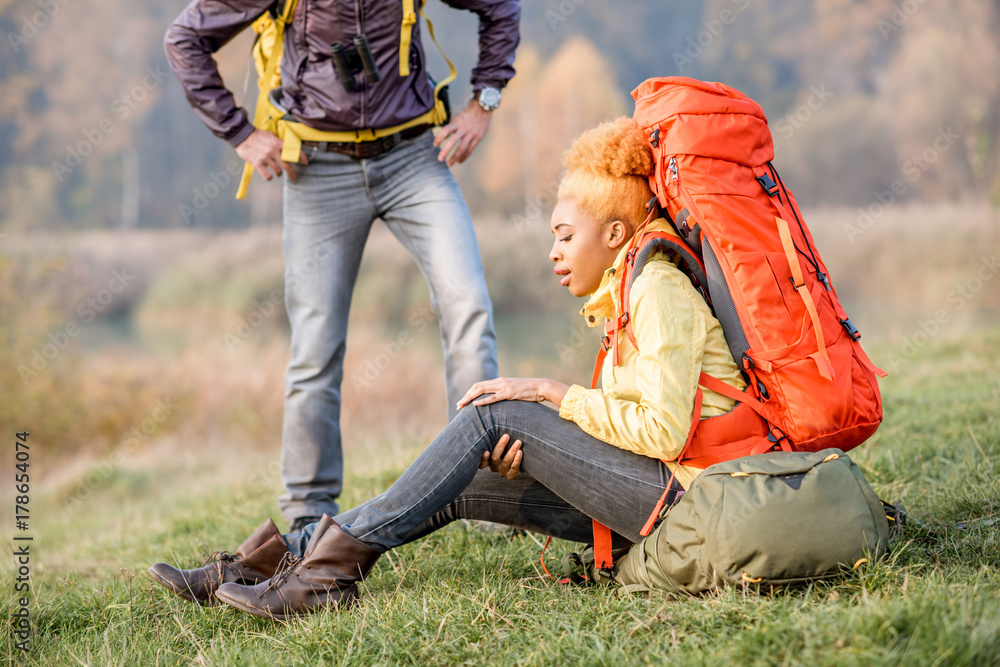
(376, 147)
(366, 149)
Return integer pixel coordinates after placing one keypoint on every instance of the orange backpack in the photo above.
(745, 246)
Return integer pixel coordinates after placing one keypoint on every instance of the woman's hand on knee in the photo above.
(506, 465)
(514, 389)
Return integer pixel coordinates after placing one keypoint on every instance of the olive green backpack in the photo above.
(766, 520)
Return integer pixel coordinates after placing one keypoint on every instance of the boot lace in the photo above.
(221, 559)
(286, 565)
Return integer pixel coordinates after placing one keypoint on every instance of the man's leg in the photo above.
(327, 217)
(614, 486)
(422, 205)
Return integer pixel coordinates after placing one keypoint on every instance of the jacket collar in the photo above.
(603, 303)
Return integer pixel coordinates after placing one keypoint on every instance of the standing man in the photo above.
(338, 189)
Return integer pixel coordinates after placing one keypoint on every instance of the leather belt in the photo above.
(368, 149)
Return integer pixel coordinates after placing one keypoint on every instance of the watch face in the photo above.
(489, 98)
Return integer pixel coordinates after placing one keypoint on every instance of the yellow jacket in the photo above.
(645, 403)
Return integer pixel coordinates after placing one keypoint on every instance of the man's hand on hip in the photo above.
(465, 131)
(262, 149)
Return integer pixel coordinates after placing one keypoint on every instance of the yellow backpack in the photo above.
(268, 49)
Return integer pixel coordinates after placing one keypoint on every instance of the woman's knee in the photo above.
(503, 416)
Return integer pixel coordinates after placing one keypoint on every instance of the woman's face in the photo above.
(583, 248)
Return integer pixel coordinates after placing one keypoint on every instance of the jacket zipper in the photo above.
(360, 24)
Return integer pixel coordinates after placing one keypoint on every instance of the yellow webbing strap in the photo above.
(262, 112)
(405, 35)
(452, 73)
(292, 134)
(823, 359)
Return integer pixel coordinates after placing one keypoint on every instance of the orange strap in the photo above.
(695, 418)
(729, 391)
(624, 300)
(868, 362)
(602, 546)
(564, 580)
(823, 360)
(601, 356)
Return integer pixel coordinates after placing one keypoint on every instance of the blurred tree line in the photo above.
(865, 97)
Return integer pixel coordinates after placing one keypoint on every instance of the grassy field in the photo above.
(466, 597)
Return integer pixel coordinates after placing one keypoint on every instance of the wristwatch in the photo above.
(488, 98)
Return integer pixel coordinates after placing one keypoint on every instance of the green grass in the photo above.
(466, 597)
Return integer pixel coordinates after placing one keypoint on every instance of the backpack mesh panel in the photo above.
(725, 309)
(690, 265)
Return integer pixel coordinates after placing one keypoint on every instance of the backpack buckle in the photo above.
(606, 342)
(776, 435)
(851, 330)
(766, 182)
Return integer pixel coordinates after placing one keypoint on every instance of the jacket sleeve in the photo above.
(203, 28)
(655, 420)
(499, 35)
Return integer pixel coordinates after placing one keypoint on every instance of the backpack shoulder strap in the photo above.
(635, 261)
(410, 8)
(280, 13)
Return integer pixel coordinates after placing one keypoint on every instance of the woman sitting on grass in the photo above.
(598, 457)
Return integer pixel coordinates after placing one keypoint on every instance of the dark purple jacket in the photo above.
(311, 91)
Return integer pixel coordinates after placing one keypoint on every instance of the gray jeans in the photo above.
(328, 214)
(569, 477)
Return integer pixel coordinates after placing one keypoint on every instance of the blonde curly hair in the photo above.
(607, 172)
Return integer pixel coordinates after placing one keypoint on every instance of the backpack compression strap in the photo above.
(821, 357)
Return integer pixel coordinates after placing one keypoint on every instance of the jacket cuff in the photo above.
(568, 407)
(479, 84)
(241, 134)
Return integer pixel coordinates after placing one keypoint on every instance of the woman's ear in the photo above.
(618, 233)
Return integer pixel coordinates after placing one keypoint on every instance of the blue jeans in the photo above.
(569, 477)
(328, 214)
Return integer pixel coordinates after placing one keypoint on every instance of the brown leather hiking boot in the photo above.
(255, 560)
(327, 576)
